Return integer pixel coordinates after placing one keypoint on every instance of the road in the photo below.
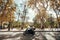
(38, 36)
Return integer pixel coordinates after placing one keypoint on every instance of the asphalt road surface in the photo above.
(37, 36)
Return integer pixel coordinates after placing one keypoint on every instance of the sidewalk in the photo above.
(37, 29)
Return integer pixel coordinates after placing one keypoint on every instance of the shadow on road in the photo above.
(37, 36)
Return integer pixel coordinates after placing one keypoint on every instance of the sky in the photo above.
(31, 13)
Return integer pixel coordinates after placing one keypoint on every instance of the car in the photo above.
(29, 31)
(0, 27)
